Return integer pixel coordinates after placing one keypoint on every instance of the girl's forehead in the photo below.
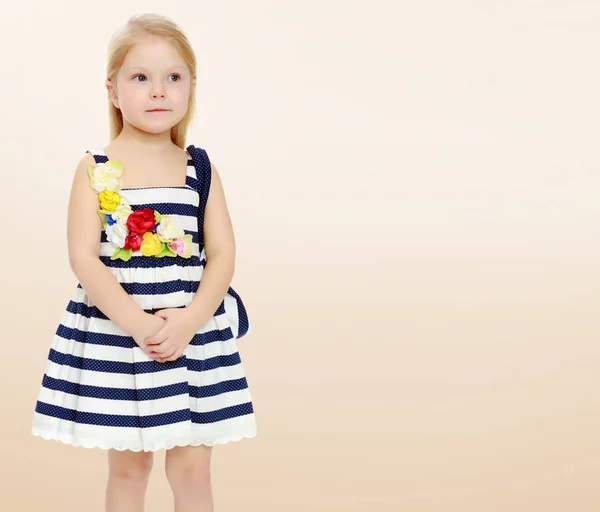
(149, 57)
(152, 49)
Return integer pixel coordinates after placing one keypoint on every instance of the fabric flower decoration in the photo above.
(105, 176)
(151, 245)
(133, 241)
(141, 221)
(167, 229)
(131, 230)
(182, 246)
(109, 200)
(121, 213)
(116, 234)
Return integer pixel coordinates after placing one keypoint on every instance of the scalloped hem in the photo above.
(68, 439)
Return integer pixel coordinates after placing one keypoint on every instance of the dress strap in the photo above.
(99, 155)
(202, 184)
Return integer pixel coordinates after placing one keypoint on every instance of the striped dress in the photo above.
(101, 390)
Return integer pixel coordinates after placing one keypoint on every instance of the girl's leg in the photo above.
(188, 472)
(128, 475)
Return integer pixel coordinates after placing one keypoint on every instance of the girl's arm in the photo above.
(84, 228)
(219, 243)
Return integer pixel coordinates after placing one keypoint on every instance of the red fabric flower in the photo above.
(133, 241)
(141, 221)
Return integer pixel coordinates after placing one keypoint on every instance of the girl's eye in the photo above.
(173, 74)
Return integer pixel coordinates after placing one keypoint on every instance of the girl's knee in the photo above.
(188, 467)
(129, 465)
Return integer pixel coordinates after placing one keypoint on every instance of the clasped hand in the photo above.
(171, 339)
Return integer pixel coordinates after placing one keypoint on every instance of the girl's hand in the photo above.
(147, 327)
(173, 337)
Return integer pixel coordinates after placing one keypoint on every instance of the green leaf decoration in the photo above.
(116, 254)
(163, 250)
(126, 254)
(123, 254)
(157, 216)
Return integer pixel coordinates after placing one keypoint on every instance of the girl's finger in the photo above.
(161, 350)
(174, 356)
(161, 358)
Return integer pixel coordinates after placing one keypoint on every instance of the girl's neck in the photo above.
(136, 140)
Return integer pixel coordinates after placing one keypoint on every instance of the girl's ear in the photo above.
(112, 93)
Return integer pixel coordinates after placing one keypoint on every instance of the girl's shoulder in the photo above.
(87, 161)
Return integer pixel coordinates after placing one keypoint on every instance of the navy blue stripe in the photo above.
(79, 308)
(95, 338)
(102, 365)
(203, 168)
(180, 388)
(190, 181)
(159, 288)
(152, 420)
(121, 341)
(183, 209)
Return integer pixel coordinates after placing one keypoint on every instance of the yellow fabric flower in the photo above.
(109, 200)
(151, 245)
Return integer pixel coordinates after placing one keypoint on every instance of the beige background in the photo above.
(414, 188)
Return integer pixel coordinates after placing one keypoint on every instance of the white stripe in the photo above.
(153, 438)
(185, 195)
(143, 380)
(153, 275)
(231, 313)
(107, 249)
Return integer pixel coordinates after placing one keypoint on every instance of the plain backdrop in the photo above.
(414, 190)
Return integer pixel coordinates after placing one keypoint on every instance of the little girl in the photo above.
(145, 356)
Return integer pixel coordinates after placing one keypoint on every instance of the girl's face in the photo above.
(153, 76)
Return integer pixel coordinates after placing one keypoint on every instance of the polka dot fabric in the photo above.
(101, 390)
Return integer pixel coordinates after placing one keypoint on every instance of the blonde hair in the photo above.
(150, 24)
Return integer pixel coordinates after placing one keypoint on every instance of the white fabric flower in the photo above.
(121, 212)
(116, 234)
(168, 229)
(105, 176)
